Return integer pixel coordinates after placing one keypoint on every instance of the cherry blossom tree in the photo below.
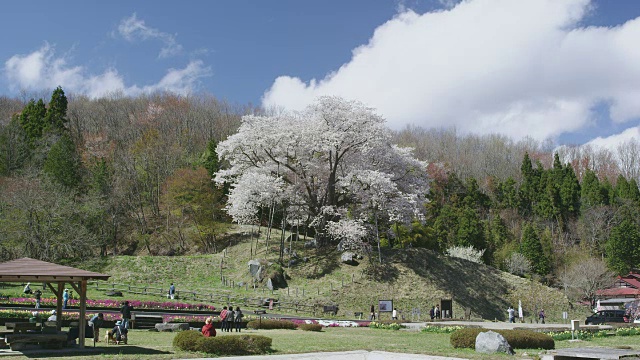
(332, 162)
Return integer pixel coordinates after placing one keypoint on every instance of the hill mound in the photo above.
(415, 279)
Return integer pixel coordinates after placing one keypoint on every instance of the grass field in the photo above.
(154, 345)
(412, 278)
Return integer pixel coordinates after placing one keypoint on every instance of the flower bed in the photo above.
(112, 304)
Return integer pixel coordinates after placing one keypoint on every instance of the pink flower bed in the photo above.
(115, 304)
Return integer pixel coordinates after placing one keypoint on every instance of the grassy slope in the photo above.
(413, 278)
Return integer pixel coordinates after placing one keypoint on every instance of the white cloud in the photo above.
(133, 29)
(42, 70)
(520, 68)
(612, 142)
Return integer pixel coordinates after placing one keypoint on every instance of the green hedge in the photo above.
(224, 345)
(518, 339)
(235, 345)
(266, 324)
(187, 340)
(310, 327)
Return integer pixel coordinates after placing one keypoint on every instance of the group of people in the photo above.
(36, 294)
(118, 334)
(231, 319)
(434, 313)
(511, 312)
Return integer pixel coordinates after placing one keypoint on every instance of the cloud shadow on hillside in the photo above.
(475, 286)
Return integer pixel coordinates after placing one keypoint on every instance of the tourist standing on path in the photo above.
(239, 316)
(172, 291)
(541, 316)
(224, 322)
(231, 319)
(372, 316)
(208, 329)
(65, 298)
(436, 311)
(394, 314)
(512, 314)
(126, 314)
(432, 312)
(38, 295)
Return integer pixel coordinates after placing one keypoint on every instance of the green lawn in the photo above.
(153, 345)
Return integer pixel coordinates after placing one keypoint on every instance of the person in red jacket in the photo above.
(208, 330)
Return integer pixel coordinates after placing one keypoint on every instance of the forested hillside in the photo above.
(119, 175)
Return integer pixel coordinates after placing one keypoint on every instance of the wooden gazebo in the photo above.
(36, 271)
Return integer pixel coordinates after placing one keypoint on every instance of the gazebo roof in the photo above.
(28, 270)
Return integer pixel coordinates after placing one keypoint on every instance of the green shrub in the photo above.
(187, 340)
(235, 345)
(518, 339)
(440, 329)
(387, 325)
(310, 327)
(266, 324)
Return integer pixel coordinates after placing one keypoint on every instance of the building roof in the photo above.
(27, 270)
(631, 281)
(619, 292)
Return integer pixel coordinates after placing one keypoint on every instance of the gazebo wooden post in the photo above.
(83, 309)
(59, 306)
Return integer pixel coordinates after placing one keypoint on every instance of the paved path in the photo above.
(503, 325)
(343, 355)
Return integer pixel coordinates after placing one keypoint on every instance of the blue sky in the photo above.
(534, 68)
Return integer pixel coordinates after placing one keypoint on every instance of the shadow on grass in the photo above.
(471, 285)
(324, 263)
(91, 351)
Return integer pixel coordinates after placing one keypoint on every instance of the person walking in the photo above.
(239, 315)
(38, 295)
(394, 314)
(512, 314)
(436, 311)
(372, 316)
(126, 310)
(541, 316)
(432, 312)
(172, 291)
(65, 298)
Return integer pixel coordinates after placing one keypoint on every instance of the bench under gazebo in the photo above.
(55, 276)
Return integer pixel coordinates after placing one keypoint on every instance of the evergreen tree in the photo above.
(531, 248)
(608, 192)
(470, 229)
(622, 188)
(33, 120)
(569, 192)
(63, 162)
(56, 117)
(211, 161)
(591, 191)
(623, 247)
(634, 192)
